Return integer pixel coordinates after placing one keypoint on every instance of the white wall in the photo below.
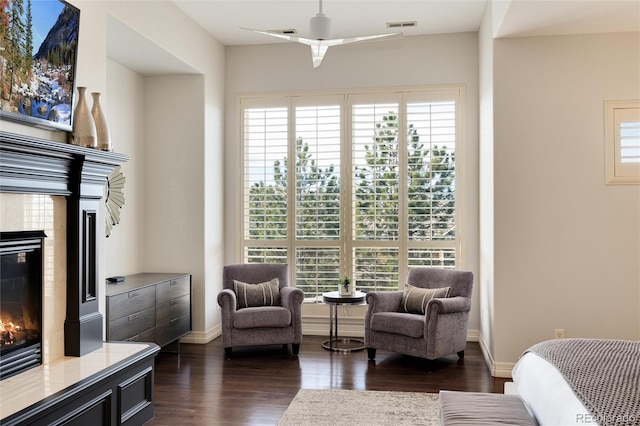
(567, 246)
(425, 60)
(486, 182)
(123, 250)
(181, 219)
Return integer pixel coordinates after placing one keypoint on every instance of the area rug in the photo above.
(315, 407)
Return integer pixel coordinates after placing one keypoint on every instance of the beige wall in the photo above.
(485, 186)
(178, 218)
(567, 246)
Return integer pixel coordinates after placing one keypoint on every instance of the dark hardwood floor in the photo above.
(255, 387)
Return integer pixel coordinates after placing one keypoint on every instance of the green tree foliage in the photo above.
(28, 41)
(317, 197)
(14, 53)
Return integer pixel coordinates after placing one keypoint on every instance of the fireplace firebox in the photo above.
(20, 301)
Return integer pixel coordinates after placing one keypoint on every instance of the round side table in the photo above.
(335, 343)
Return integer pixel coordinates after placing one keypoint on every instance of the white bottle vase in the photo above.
(84, 129)
(102, 128)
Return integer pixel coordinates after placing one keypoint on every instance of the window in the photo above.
(622, 140)
(352, 184)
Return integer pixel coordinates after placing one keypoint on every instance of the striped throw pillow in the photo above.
(252, 295)
(415, 299)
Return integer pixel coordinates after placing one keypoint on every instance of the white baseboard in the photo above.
(510, 388)
(497, 369)
(203, 337)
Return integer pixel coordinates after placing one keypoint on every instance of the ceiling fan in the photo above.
(320, 36)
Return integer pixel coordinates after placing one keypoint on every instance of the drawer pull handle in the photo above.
(173, 302)
(173, 283)
(133, 294)
(174, 321)
(132, 317)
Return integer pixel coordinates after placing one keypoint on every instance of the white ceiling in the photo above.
(512, 18)
(223, 18)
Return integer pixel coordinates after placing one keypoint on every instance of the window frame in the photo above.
(615, 172)
(403, 95)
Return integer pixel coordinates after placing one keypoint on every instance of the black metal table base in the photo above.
(335, 343)
(344, 344)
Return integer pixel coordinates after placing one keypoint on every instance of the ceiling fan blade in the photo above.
(288, 37)
(317, 52)
(319, 47)
(347, 40)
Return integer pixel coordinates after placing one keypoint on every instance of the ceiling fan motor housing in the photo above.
(320, 27)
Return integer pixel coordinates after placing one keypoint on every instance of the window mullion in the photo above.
(402, 189)
(291, 190)
(346, 222)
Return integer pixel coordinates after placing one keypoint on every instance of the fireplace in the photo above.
(76, 175)
(20, 301)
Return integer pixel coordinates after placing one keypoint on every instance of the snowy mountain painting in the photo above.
(38, 44)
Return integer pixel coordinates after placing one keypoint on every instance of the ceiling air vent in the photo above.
(404, 24)
(288, 31)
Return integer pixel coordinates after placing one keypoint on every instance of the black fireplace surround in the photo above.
(39, 166)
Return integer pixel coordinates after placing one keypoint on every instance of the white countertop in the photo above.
(27, 388)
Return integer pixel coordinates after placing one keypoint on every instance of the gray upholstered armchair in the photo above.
(251, 315)
(441, 330)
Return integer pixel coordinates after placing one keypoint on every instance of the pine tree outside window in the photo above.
(371, 190)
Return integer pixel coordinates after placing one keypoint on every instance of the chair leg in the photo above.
(461, 354)
(227, 353)
(295, 348)
(371, 352)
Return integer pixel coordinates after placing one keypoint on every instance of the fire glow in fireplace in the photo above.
(20, 301)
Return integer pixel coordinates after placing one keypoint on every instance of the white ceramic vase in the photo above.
(102, 128)
(84, 129)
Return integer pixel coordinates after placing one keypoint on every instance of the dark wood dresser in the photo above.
(149, 307)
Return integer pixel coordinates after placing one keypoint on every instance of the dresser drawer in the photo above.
(173, 309)
(173, 329)
(126, 327)
(145, 336)
(124, 304)
(171, 289)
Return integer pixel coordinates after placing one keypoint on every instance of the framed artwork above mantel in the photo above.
(38, 52)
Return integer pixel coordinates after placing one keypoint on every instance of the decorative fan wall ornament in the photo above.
(320, 36)
(115, 198)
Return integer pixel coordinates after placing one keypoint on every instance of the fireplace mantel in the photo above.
(40, 166)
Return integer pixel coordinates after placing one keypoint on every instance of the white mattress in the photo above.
(546, 393)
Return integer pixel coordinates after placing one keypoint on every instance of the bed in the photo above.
(581, 382)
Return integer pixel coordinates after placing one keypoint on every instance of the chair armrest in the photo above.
(448, 305)
(384, 301)
(290, 297)
(227, 300)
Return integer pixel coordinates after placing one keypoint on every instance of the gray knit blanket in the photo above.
(604, 374)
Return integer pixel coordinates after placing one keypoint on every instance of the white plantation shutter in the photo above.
(355, 184)
(318, 129)
(432, 133)
(627, 122)
(375, 170)
(265, 134)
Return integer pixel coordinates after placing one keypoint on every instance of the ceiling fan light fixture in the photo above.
(320, 27)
